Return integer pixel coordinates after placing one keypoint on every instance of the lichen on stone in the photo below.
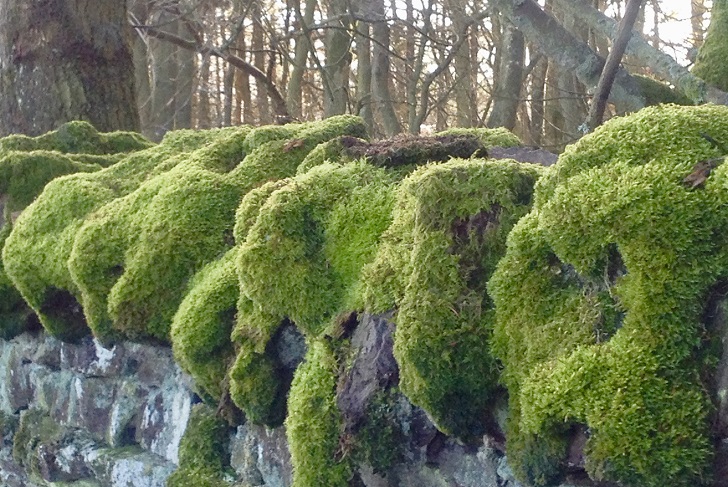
(600, 297)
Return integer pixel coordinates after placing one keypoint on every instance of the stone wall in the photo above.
(90, 416)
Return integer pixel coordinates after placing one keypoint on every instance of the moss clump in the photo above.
(202, 324)
(305, 242)
(23, 175)
(37, 251)
(490, 137)
(203, 451)
(77, 137)
(710, 64)
(599, 300)
(449, 230)
(656, 92)
(314, 422)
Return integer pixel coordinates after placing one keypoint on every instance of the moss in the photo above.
(656, 92)
(449, 230)
(490, 137)
(77, 137)
(23, 175)
(331, 151)
(203, 451)
(202, 324)
(613, 265)
(305, 242)
(710, 64)
(303, 255)
(314, 422)
(379, 441)
(36, 253)
(35, 428)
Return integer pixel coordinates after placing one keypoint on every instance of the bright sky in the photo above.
(677, 28)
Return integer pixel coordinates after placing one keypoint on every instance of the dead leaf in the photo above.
(293, 144)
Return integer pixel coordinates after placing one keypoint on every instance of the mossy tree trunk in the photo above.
(711, 65)
(64, 60)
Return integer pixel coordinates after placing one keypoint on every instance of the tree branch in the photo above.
(614, 59)
(662, 64)
(568, 52)
(279, 104)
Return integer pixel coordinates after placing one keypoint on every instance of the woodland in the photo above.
(404, 66)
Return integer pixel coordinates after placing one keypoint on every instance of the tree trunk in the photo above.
(336, 70)
(571, 54)
(464, 78)
(660, 64)
(259, 61)
(186, 63)
(381, 71)
(304, 20)
(364, 75)
(65, 60)
(163, 64)
(711, 63)
(507, 92)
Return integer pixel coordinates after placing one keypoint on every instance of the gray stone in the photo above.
(260, 456)
(129, 467)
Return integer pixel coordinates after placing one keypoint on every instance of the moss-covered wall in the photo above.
(218, 242)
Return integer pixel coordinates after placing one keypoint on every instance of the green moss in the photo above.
(314, 422)
(491, 137)
(37, 251)
(656, 92)
(34, 429)
(449, 230)
(331, 151)
(23, 175)
(305, 242)
(613, 265)
(711, 65)
(379, 441)
(303, 255)
(203, 451)
(77, 137)
(202, 324)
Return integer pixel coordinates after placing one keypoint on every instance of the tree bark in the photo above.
(64, 60)
(338, 58)
(601, 94)
(364, 75)
(381, 71)
(571, 54)
(466, 114)
(507, 92)
(163, 67)
(660, 63)
(294, 96)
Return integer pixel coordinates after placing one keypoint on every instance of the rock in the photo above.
(260, 456)
(374, 367)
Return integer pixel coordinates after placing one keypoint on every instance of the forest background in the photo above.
(407, 66)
